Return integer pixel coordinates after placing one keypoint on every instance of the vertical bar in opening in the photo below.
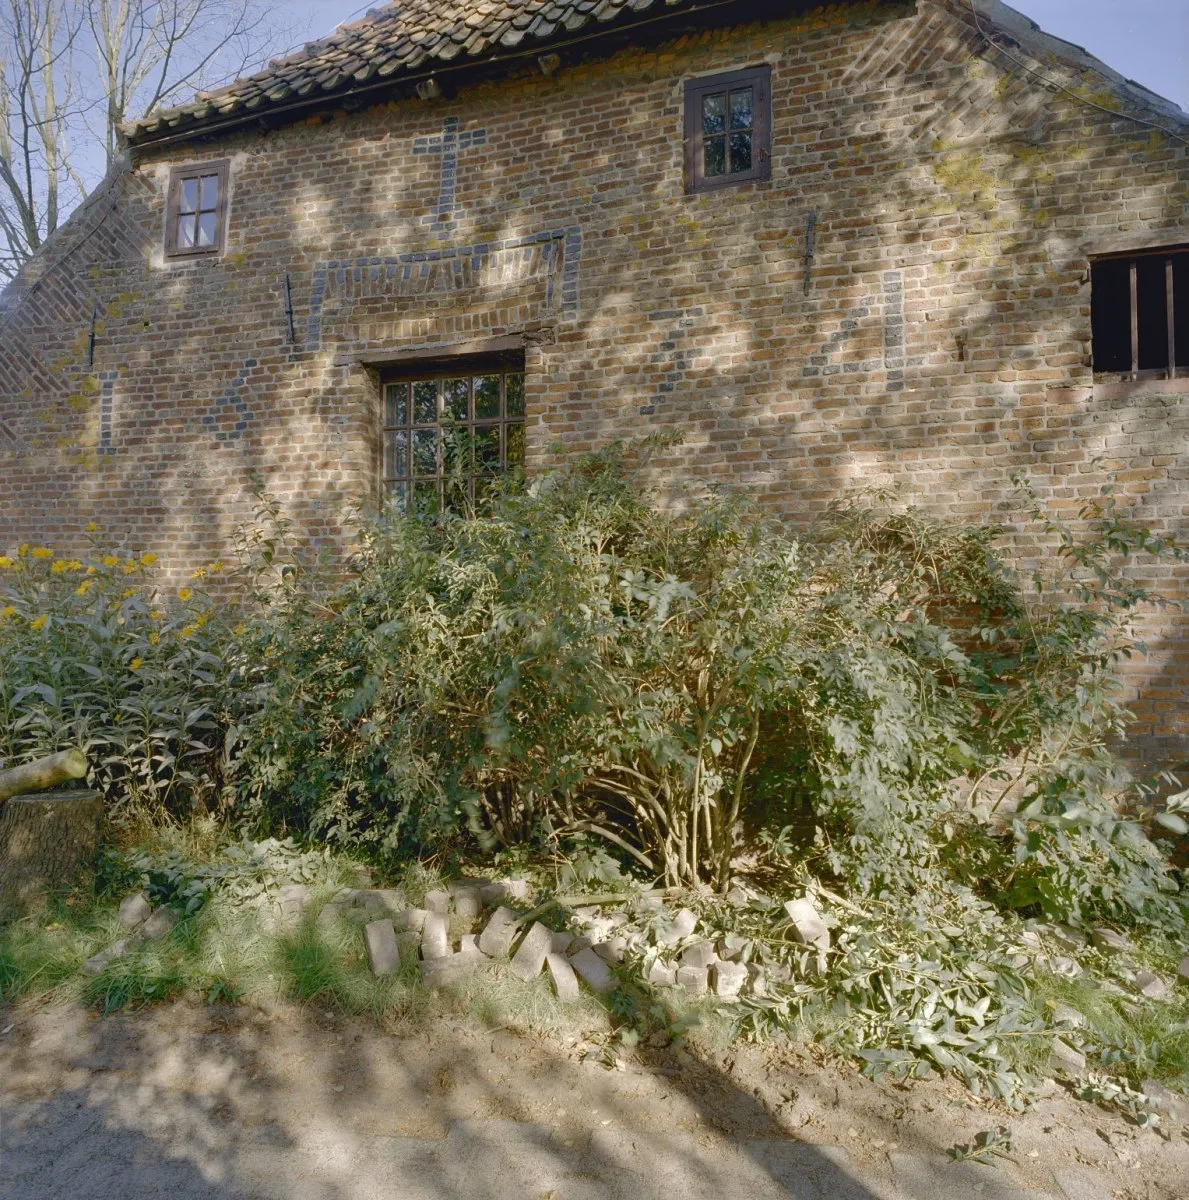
(1172, 325)
(1134, 319)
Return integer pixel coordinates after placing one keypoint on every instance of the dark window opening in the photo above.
(728, 129)
(448, 432)
(196, 209)
(1139, 308)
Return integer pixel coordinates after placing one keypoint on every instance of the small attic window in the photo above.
(196, 209)
(1139, 313)
(728, 129)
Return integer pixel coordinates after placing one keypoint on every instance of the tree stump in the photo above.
(46, 842)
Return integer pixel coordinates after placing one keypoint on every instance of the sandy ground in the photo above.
(185, 1101)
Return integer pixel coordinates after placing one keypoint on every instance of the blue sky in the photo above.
(1146, 40)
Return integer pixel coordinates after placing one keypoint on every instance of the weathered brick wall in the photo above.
(942, 344)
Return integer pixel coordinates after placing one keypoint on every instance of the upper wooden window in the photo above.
(728, 129)
(449, 429)
(1139, 313)
(196, 209)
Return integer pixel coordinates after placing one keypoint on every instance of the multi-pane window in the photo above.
(446, 434)
(196, 209)
(728, 129)
(1139, 312)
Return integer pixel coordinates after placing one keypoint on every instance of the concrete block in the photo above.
(1183, 969)
(435, 935)
(757, 979)
(807, 924)
(727, 979)
(561, 975)
(693, 979)
(530, 955)
(383, 955)
(611, 951)
(1110, 942)
(1155, 987)
(437, 972)
(468, 944)
(662, 974)
(409, 919)
(159, 924)
(731, 947)
(1065, 1060)
(700, 954)
(388, 901)
(328, 917)
(134, 910)
(682, 925)
(562, 941)
(499, 933)
(594, 972)
(97, 963)
(437, 902)
(1063, 1014)
(505, 891)
(470, 884)
(468, 903)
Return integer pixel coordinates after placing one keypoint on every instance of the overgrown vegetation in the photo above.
(877, 710)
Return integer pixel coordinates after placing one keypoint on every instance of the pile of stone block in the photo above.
(141, 923)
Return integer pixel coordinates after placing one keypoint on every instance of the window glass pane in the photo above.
(740, 152)
(206, 229)
(210, 193)
(396, 404)
(454, 397)
(425, 452)
(487, 447)
(515, 449)
(188, 201)
(1153, 312)
(425, 401)
(425, 495)
(1180, 306)
(396, 456)
(186, 232)
(1110, 314)
(741, 108)
(515, 393)
(714, 155)
(487, 397)
(714, 113)
(398, 496)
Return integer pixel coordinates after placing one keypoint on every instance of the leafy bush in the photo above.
(93, 654)
(579, 660)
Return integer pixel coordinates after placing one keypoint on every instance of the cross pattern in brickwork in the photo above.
(448, 144)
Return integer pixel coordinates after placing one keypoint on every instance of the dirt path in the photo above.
(183, 1101)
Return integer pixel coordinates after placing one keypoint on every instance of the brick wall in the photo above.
(941, 346)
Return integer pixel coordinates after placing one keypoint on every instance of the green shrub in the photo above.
(94, 655)
(577, 659)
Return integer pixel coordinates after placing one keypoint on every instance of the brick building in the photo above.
(888, 243)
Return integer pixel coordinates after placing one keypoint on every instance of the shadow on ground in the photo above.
(186, 1101)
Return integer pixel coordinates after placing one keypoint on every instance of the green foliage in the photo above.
(94, 655)
(577, 659)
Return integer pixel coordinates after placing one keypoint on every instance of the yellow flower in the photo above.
(64, 565)
(148, 559)
(154, 638)
(91, 527)
(8, 611)
(239, 629)
(136, 663)
(199, 574)
(130, 566)
(216, 566)
(184, 594)
(83, 588)
(155, 614)
(110, 560)
(5, 562)
(187, 630)
(38, 622)
(42, 552)
(90, 570)
(23, 550)
(127, 592)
